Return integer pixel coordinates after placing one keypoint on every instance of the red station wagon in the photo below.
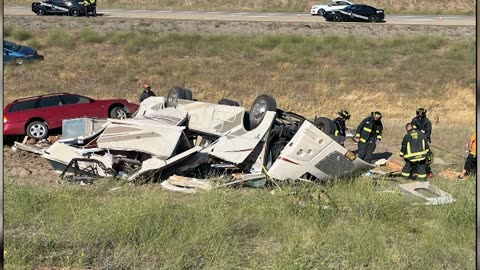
(34, 116)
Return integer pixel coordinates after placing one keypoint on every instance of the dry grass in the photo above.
(309, 75)
(397, 6)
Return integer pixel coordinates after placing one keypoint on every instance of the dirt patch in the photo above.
(100, 24)
(27, 168)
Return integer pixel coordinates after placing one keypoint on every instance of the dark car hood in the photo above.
(26, 50)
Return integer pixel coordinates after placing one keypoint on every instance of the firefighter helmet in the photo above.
(421, 112)
(377, 115)
(344, 114)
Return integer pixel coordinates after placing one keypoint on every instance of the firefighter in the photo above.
(86, 4)
(340, 126)
(146, 93)
(93, 4)
(422, 123)
(368, 134)
(414, 150)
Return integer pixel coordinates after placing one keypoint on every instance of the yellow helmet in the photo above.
(344, 114)
(377, 115)
(421, 112)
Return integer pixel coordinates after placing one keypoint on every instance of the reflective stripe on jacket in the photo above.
(369, 129)
(339, 127)
(414, 145)
(423, 124)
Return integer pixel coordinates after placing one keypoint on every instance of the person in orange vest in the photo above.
(470, 167)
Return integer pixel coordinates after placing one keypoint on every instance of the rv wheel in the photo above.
(260, 106)
(326, 125)
(177, 92)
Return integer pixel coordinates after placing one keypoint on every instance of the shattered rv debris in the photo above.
(430, 194)
(194, 139)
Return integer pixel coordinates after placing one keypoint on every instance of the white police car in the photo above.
(330, 6)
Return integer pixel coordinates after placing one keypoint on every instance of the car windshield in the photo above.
(11, 46)
(336, 3)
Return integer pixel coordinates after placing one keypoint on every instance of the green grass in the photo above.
(60, 38)
(91, 36)
(19, 33)
(346, 224)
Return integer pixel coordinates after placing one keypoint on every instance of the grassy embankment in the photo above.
(464, 7)
(308, 75)
(354, 225)
(146, 228)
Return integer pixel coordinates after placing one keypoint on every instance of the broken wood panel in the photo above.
(189, 182)
(168, 186)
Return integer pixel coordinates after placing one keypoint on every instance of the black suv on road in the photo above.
(62, 7)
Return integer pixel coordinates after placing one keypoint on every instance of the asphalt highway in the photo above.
(257, 16)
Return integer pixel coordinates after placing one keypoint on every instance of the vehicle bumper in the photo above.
(34, 57)
(328, 16)
(131, 108)
(34, 6)
(17, 128)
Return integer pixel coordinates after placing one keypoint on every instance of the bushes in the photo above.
(90, 36)
(60, 38)
(17, 33)
(134, 42)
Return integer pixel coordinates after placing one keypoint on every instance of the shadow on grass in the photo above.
(385, 155)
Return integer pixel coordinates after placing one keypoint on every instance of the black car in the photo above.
(61, 7)
(354, 13)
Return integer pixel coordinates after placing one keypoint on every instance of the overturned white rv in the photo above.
(178, 135)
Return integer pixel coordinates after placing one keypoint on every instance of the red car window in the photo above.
(23, 105)
(49, 102)
(74, 99)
